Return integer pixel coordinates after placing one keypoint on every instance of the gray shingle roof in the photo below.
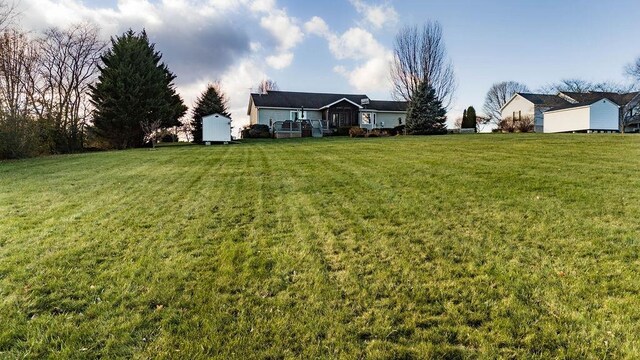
(620, 99)
(291, 99)
(593, 96)
(545, 100)
(383, 105)
(580, 104)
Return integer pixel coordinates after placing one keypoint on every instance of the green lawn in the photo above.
(468, 246)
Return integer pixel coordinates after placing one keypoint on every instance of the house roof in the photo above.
(384, 105)
(545, 99)
(619, 99)
(593, 96)
(592, 100)
(291, 99)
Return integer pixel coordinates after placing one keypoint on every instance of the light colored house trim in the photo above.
(384, 111)
(285, 108)
(337, 101)
(567, 109)
(510, 100)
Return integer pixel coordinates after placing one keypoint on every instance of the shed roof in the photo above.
(592, 100)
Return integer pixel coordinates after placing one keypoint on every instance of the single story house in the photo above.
(576, 112)
(334, 111)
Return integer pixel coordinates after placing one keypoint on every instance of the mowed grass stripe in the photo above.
(409, 247)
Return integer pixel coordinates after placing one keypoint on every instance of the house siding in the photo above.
(253, 114)
(525, 108)
(390, 119)
(265, 115)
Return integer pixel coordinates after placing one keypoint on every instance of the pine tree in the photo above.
(469, 119)
(133, 88)
(425, 115)
(211, 101)
(464, 118)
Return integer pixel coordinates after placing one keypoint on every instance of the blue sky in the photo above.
(344, 45)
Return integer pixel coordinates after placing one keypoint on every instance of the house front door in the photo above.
(341, 118)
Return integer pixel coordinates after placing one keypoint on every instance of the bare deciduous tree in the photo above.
(150, 130)
(68, 64)
(497, 96)
(8, 13)
(633, 70)
(583, 86)
(420, 56)
(18, 63)
(267, 85)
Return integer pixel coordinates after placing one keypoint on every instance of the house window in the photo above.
(294, 115)
(519, 115)
(366, 118)
(400, 121)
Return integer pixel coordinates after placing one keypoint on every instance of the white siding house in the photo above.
(602, 115)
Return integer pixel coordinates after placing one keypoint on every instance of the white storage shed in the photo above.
(601, 115)
(216, 128)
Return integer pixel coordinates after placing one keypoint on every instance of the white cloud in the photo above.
(377, 16)
(317, 26)
(356, 44)
(262, 5)
(373, 75)
(283, 29)
(237, 83)
(280, 61)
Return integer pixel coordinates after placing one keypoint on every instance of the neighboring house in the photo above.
(576, 112)
(334, 111)
(531, 106)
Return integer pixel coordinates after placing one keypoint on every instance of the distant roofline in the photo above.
(581, 105)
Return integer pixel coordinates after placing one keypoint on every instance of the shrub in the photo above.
(341, 131)
(357, 132)
(20, 137)
(168, 138)
(524, 124)
(256, 131)
(398, 130)
(378, 133)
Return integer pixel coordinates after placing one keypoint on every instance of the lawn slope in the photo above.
(522, 246)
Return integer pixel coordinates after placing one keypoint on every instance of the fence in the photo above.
(297, 128)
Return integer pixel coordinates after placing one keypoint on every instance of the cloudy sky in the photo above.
(345, 45)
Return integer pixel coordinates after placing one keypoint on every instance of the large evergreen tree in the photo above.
(134, 88)
(211, 101)
(426, 115)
